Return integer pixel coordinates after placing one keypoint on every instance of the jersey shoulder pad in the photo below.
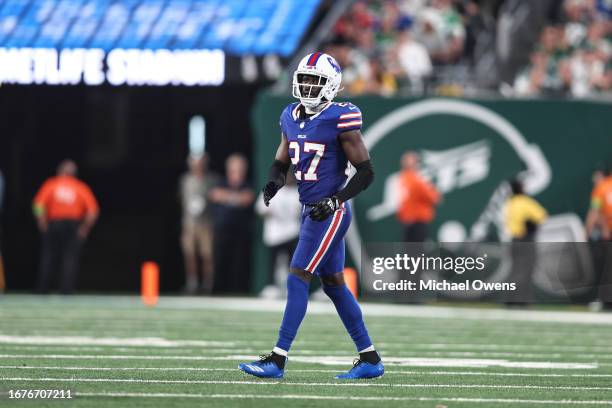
(348, 116)
(287, 115)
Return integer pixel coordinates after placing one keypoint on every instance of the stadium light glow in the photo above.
(197, 136)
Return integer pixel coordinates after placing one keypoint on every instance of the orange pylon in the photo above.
(352, 281)
(149, 288)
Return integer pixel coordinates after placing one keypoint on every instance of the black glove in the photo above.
(269, 191)
(324, 208)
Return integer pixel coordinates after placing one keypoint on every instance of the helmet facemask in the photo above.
(310, 88)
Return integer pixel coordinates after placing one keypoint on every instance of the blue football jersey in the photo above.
(318, 161)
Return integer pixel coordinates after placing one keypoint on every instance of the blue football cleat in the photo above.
(264, 368)
(362, 369)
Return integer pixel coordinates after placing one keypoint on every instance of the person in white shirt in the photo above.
(281, 227)
(414, 61)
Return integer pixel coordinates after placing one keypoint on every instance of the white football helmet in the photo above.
(317, 79)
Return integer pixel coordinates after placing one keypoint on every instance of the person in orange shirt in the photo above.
(65, 210)
(600, 218)
(418, 199)
(600, 213)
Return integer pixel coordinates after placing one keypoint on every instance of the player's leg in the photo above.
(298, 283)
(273, 364)
(315, 239)
(369, 364)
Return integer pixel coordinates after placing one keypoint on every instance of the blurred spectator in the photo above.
(600, 212)
(233, 198)
(354, 63)
(599, 233)
(474, 26)
(604, 9)
(378, 82)
(196, 237)
(418, 199)
(414, 61)
(281, 228)
(573, 58)
(65, 210)
(577, 16)
(400, 39)
(533, 78)
(440, 29)
(377, 41)
(593, 222)
(523, 216)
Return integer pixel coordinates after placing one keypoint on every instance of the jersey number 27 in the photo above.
(311, 173)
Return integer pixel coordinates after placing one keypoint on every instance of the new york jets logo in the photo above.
(468, 151)
(449, 170)
(457, 155)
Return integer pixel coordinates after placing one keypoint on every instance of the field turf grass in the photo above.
(112, 352)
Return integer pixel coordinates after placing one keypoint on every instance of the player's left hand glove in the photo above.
(269, 191)
(324, 208)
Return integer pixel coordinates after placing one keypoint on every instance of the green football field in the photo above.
(112, 352)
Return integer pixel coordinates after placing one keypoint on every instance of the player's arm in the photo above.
(278, 171)
(356, 152)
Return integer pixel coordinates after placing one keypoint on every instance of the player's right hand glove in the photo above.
(324, 208)
(269, 191)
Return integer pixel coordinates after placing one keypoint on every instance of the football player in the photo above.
(320, 139)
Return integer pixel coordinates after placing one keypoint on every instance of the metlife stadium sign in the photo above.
(26, 66)
(152, 42)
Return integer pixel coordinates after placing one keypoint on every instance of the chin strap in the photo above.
(316, 109)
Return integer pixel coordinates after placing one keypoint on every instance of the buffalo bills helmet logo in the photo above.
(334, 64)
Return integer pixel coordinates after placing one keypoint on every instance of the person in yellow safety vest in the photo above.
(523, 216)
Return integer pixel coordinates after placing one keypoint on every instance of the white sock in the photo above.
(279, 351)
(365, 350)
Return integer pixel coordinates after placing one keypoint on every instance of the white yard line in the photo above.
(592, 335)
(387, 348)
(218, 347)
(318, 307)
(348, 397)
(110, 341)
(161, 343)
(308, 352)
(333, 360)
(449, 352)
(307, 370)
(416, 311)
(303, 384)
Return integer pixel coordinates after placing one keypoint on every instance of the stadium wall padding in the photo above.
(469, 148)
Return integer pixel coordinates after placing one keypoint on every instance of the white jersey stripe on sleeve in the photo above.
(349, 124)
(350, 115)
